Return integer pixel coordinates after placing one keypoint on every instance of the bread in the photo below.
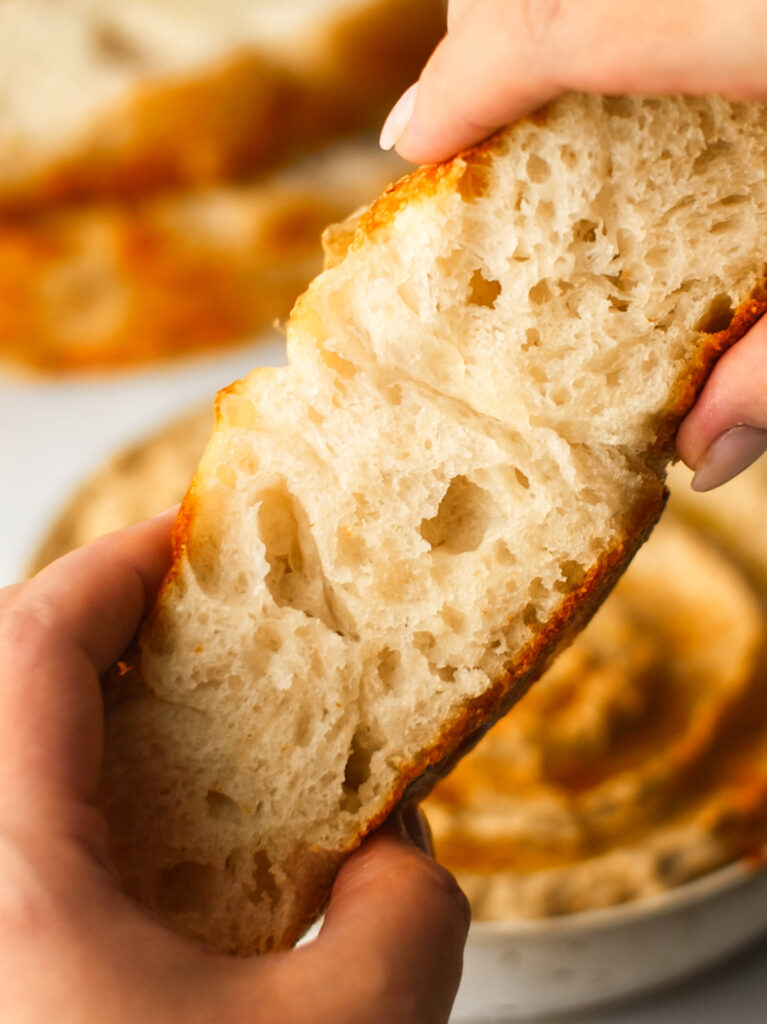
(636, 763)
(386, 541)
(101, 99)
(113, 284)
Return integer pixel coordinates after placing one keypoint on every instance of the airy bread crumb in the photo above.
(386, 541)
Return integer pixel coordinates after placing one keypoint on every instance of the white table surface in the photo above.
(54, 432)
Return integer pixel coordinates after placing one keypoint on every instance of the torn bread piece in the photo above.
(386, 541)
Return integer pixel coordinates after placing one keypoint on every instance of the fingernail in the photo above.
(417, 827)
(728, 455)
(398, 119)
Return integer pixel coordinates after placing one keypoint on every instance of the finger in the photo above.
(400, 921)
(456, 9)
(58, 632)
(502, 59)
(726, 429)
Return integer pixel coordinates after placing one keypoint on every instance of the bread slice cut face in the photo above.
(386, 540)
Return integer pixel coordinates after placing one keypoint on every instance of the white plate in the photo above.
(523, 969)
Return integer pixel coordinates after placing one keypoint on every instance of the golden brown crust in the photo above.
(135, 151)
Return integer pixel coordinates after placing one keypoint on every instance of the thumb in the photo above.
(398, 922)
(727, 428)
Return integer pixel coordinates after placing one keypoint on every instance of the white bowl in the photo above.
(523, 969)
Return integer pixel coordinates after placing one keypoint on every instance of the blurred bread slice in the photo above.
(386, 541)
(114, 284)
(103, 99)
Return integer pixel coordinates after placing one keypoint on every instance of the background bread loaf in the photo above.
(104, 100)
(385, 541)
(113, 284)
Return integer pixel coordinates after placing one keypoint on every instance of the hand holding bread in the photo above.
(73, 947)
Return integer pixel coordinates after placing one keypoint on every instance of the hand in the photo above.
(73, 948)
(501, 59)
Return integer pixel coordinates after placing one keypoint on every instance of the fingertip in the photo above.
(398, 119)
(732, 452)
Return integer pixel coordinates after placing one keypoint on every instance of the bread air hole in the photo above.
(718, 315)
(365, 742)
(483, 291)
(530, 615)
(540, 293)
(474, 181)
(712, 152)
(725, 227)
(222, 808)
(585, 231)
(115, 46)
(295, 578)
(538, 169)
(462, 518)
(278, 527)
(572, 576)
(733, 200)
(266, 887)
(185, 887)
(532, 339)
(389, 666)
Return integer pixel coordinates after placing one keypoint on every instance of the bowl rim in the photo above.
(718, 882)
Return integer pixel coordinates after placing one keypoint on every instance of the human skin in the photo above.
(533, 51)
(73, 947)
